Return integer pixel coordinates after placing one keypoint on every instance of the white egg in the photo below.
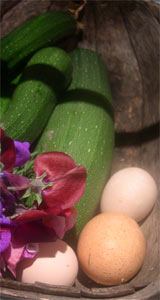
(56, 263)
(132, 191)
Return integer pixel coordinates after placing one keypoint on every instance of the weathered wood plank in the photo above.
(126, 35)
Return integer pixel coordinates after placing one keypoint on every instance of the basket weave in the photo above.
(126, 35)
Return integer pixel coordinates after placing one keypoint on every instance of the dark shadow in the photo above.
(84, 95)
(125, 139)
(47, 74)
(6, 6)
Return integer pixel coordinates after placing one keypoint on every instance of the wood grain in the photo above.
(126, 35)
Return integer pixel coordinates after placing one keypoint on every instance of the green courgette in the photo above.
(82, 125)
(38, 32)
(47, 73)
(6, 95)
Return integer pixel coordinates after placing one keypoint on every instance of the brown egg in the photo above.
(111, 248)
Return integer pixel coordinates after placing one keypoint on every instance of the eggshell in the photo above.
(132, 191)
(111, 248)
(56, 264)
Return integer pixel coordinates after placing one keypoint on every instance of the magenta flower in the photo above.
(13, 153)
(11, 250)
(5, 233)
(12, 186)
(8, 152)
(14, 254)
(35, 210)
(55, 214)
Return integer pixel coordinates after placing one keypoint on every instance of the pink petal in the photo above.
(12, 256)
(53, 163)
(31, 250)
(65, 192)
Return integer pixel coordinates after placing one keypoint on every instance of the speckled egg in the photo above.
(111, 248)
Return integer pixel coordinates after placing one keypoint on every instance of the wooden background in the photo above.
(126, 35)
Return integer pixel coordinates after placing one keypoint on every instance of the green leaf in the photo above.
(27, 169)
(30, 200)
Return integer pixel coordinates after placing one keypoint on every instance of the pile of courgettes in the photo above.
(61, 101)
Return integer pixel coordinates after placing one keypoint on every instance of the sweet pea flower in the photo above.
(55, 214)
(5, 233)
(14, 254)
(13, 153)
(8, 152)
(35, 210)
(22, 153)
(11, 250)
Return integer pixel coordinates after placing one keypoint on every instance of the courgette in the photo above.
(4, 104)
(82, 125)
(38, 32)
(6, 95)
(47, 72)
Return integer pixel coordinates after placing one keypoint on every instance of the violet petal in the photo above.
(5, 240)
(31, 250)
(22, 153)
(15, 180)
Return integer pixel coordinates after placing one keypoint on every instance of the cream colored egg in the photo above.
(111, 248)
(132, 191)
(56, 264)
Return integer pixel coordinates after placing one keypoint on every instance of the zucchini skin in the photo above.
(38, 32)
(4, 104)
(6, 95)
(82, 125)
(48, 71)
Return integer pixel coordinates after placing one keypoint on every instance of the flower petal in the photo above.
(61, 223)
(8, 200)
(5, 232)
(30, 215)
(53, 163)
(5, 239)
(8, 152)
(22, 153)
(12, 256)
(71, 216)
(16, 181)
(5, 221)
(33, 232)
(65, 192)
(31, 250)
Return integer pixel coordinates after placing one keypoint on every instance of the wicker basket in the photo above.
(126, 35)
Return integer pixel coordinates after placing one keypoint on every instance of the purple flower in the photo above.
(13, 153)
(14, 254)
(7, 199)
(5, 233)
(22, 153)
(12, 186)
(12, 251)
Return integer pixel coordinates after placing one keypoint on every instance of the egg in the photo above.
(132, 191)
(111, 248)
(56, 263)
